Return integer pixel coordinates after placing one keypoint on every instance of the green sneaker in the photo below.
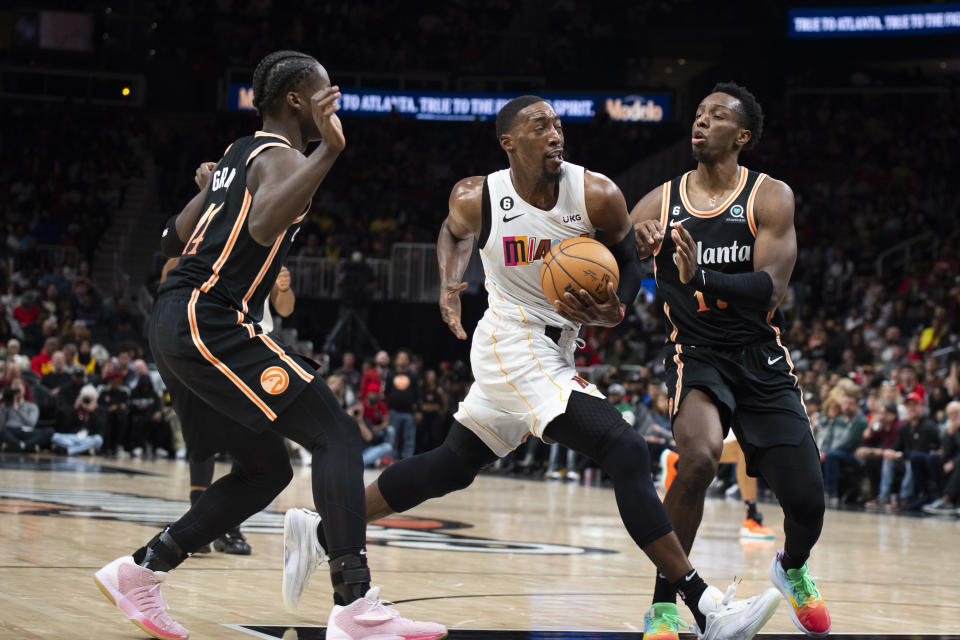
(662, 622)
(807, 608)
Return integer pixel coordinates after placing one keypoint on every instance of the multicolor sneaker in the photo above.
(233, 542)
(662, 622)
(302, 553)
(729, 619)
(668, 469)
(369, 617)
(136, 591)
(753, 530)
(807, 608)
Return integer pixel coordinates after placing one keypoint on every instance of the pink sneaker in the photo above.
(136, 590)
(368, 617)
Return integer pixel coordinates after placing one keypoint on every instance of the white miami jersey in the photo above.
(520, 237)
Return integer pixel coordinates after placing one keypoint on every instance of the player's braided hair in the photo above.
(508, 113)
(278, 73)
(749, 110)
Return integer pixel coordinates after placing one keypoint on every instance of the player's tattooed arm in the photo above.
(454, 246)
(646, 222)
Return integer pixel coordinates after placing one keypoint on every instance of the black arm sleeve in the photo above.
(631, 273)
(170, 244)
(752, 289)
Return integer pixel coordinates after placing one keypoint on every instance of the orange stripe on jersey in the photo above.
(222, 368)
(263, 270)
(786, 352)
(666, 310)
(709, 214)
(751, 220)
(664, 214)
(297, 369)
(264, 147)
(260, 134)
(247, 326)
(676, 394)
(228, 247)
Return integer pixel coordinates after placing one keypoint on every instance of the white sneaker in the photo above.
(369, 618)
(302, 553)
(573, 475)
(729, 619)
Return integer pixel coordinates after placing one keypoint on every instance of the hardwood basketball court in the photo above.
(505, 559)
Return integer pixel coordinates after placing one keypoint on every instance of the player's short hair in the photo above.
(749, 110)
(508, 113)
(278, 73)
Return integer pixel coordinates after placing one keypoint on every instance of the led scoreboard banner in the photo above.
(440, 105)
(872, 22)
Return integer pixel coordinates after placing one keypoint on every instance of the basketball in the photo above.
(575, 264)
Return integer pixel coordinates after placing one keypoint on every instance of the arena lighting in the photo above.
(872, 22)
(125, 91)
(457, 106)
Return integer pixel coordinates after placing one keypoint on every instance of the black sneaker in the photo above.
(232, 542)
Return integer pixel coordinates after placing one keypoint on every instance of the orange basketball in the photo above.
(575, 264)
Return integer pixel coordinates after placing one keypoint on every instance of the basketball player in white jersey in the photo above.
(722, 271)
(523, 359)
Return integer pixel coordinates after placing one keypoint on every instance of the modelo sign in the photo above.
(450, 106)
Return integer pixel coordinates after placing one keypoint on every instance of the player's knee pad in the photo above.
(433, 474)
(627, 455)
(590, 425)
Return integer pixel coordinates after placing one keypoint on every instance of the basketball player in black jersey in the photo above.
(530, 132)
(234, 387)
(724, 246)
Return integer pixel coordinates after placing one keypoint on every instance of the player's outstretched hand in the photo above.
(450, 308)
(686, 252)
(649, 237)
(324, 104)
(586, 310)
(203, 173)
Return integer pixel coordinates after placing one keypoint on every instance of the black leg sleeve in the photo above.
(450, 467)
(593, 427)
(793, 473)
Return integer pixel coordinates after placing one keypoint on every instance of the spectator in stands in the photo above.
(42, 363)
(80, 432)
(402, 389)
(371, 375)
(949, 501)
(84, 356)
(58, 374)
(379, 436)
(27, 312)
(149, 434)
(880, 436)
(921, 447)
(114, 401)
(18, 422)
(14, 376)
(839, 440)
(348, 371)
(13, 354)
(434, 422)
(66, 396)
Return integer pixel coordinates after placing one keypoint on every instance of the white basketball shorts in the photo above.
(523, 380)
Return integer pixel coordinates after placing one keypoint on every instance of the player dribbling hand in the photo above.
(586, 310)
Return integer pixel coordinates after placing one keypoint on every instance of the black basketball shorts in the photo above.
(754, 388)
(221, 369)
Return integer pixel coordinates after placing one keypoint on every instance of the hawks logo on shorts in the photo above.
(274, 380)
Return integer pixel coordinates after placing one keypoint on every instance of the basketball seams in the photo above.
(590, 260)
